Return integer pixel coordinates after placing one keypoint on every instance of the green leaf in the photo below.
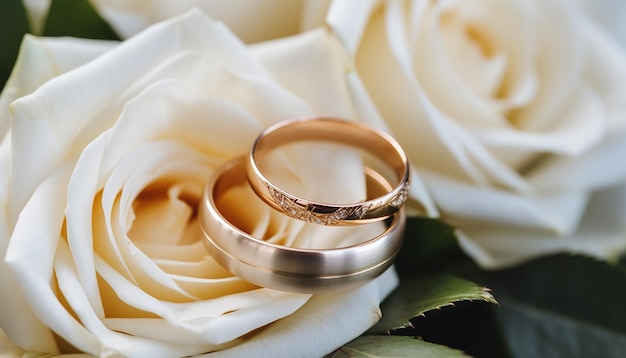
(13, 26)
(76, 18)
(416, 296)
(429, 246)
(562, 306)
(394, 346)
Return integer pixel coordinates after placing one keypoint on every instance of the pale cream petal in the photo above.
(559, 65)
(215, 321)
(601, 233)
(435, 68)
(470, 67)
(29, 72)
(111, 341)
(312, 66)
(594, 170)
(349, 18)
(571, 136)
(606, 73)
(314, 14)
(261, 20)
(222, 329)
(30, 258)
(334, 319)
(190, 252)
(80, 221)
(17, 319)
(216, 127)
(484, 207)
(8, 347)
(186, 270)
(325, 323)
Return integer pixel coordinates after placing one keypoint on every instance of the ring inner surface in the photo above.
(342, 132)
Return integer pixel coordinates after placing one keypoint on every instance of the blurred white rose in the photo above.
(101, 170)
(251, 21)
(514, 113)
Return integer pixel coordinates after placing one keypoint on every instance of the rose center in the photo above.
(165, 214)
(474, 56)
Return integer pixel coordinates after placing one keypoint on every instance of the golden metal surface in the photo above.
(294, 269)
(356, 134)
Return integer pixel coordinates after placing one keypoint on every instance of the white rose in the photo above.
(251, 21)
(100, 174)
(514, 113)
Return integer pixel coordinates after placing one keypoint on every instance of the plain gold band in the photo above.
(337, 130)
(294, 269)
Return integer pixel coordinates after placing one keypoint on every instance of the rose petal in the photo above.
(487, 206)
(575, 134)
(181, 270)
(326, 322)
(255, 24)
(607, 75)
(206, 322)
(600, 234)
(307, 63)
(434, 64)
(30, 257)
(29, 72)
(111, 342)
(19, 322)
(314, 14)
(350, 32)
(590, 171)
(8, 348)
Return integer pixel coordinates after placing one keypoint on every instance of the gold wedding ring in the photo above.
(294, 269)
(378, 143)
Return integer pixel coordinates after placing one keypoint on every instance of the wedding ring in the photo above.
(356, 134)
(293, 269)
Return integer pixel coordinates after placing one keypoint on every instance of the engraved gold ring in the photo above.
(377, 143)
(287, 268)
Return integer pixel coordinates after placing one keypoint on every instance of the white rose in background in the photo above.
(101, 171)
(251, 21)
(514, 113)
